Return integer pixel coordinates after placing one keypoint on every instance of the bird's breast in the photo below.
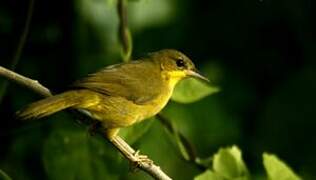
(157, 104)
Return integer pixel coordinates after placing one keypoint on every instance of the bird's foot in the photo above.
(138, 159)
(142, 158)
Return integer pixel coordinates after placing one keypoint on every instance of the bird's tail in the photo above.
(50, 105)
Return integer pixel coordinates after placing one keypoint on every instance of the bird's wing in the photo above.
(134, 81)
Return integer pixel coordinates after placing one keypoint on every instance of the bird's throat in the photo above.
(172, 78)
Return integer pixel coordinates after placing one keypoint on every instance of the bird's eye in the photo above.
(180, 63)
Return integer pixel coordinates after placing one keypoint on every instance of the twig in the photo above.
(124, 32)
(20, 46)
(150, 168)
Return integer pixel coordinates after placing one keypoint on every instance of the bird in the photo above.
(120, 95)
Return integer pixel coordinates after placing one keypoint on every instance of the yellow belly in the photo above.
(156, 105)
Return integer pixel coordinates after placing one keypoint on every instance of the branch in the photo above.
(128, 152)
(31, 84)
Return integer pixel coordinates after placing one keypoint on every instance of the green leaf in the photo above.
(191, 90)
(276, 169)
(208, 175)
(229, 164)
(4, 176)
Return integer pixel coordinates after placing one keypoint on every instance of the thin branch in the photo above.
(128, 152)
(20, 46)
(31, 84)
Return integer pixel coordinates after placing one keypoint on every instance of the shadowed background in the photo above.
(260, 53)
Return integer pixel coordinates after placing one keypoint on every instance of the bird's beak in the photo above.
(196, 74)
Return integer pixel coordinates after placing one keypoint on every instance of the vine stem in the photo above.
(124, 32)
(128, 152)
(18, 52)
(186, 148)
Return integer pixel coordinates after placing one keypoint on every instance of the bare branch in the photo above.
(31, 84)
(128, 152)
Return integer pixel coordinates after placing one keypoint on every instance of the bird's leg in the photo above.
(124, 148)
(134, 156)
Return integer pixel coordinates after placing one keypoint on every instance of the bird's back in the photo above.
(137, 81)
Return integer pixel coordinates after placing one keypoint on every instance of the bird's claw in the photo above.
(142, 158)
(138, 159)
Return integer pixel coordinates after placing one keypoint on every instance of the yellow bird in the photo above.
(123, 94)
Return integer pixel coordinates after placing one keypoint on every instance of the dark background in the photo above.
(260, 53)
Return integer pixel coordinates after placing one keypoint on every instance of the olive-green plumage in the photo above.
(123, 94)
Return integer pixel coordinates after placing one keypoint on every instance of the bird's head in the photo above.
(175, 65)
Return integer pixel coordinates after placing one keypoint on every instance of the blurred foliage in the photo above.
(191, 90)
(4, 176)
(260, 53)
(228, 164)
(67, 146)
(276, 169)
